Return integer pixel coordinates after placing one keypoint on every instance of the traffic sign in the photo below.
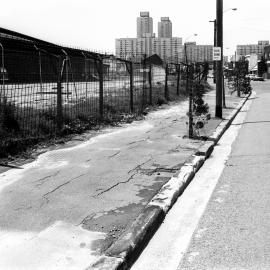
(216, 53)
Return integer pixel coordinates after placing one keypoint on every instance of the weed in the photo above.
(161, 100)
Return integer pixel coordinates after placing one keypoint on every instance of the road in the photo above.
(222, 219)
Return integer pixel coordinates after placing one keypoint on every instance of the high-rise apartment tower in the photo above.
(144, 25)
(165, 28)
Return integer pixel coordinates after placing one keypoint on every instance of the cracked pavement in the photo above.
(93, 190)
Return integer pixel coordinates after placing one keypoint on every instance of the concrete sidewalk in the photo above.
(233, 232)
(92, 205)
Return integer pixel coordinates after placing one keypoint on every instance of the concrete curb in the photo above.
(129, 245)
(223, 126)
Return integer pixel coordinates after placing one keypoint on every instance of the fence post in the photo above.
(150, 85)
(178, 79)
(59, 112)
(100, 76)
(200, 74)
(3, 73)
(238, 85)
(85, 73)
(131, 88)
(144, 83)
(190, 71)
(166, 83)
(224, 98)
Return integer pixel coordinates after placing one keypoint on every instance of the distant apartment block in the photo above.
(126, 48)
(244, 50)
(144, 25)
(169, 48)
(263, 42)
(199, 53)
(165, 28)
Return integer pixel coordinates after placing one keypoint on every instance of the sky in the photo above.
(95, 24)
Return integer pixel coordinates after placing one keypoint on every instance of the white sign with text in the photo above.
(216, 53)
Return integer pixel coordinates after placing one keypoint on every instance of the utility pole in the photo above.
(219, 64)
(215, 44)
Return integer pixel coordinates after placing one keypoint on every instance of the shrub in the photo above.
(161, 100)
(200, 109)
(46, 126)
(199, 106)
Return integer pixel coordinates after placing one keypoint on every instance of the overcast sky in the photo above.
(95, 24)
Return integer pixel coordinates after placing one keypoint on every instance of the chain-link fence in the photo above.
(48, 89)
(44, 93)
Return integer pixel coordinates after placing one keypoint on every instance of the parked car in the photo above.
(258, 78)
(254, 77)
(251, 76)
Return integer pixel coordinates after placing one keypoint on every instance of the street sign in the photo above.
(216, 53)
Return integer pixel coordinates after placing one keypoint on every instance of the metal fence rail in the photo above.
(43, 93)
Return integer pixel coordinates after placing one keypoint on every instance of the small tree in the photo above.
(200, 109)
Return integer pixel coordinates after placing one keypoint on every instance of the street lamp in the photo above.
(190, 37)
(215, 22)
(228, 9)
